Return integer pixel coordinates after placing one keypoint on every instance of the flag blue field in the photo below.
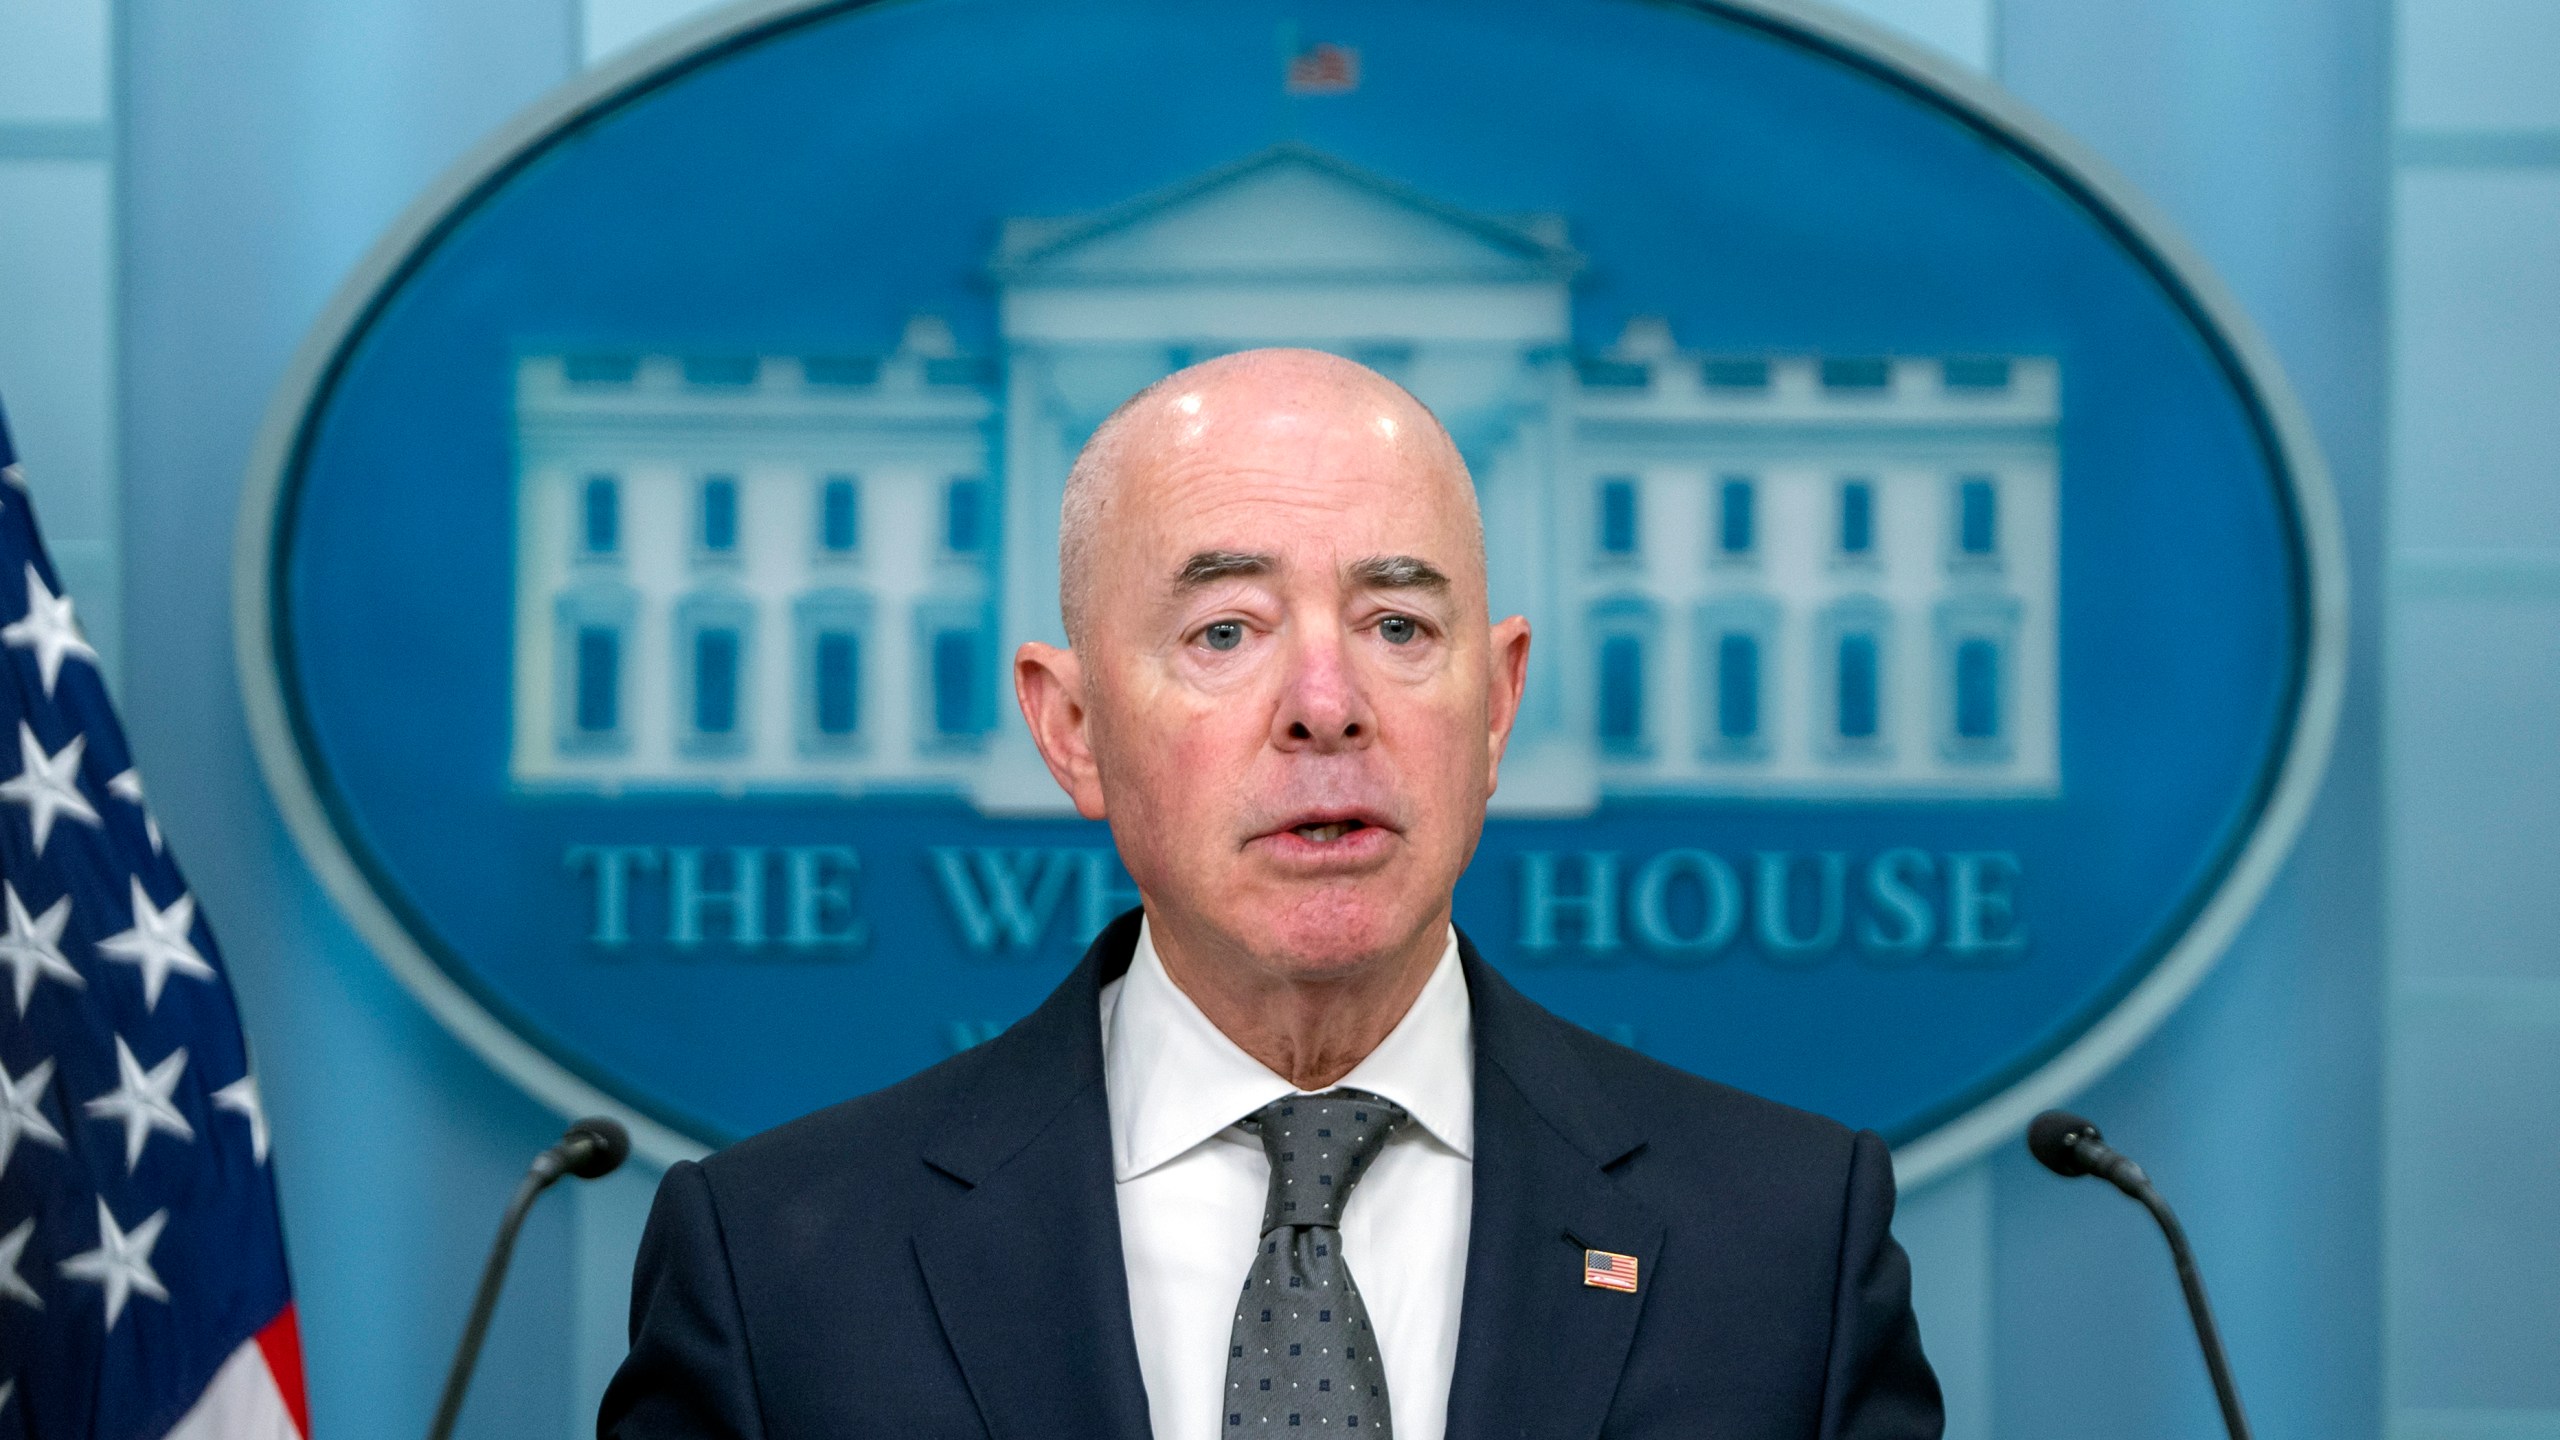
(143, 1290)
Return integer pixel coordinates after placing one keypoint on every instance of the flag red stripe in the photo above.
(281, 1344)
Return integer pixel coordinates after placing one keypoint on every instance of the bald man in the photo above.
(1283, 1154)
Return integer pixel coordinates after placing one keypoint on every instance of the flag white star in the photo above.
(127, 786)
(122, 1262)
(144, 1100)
(48, 629)
(22, 1113)
(240, 1097)
(158, 943)
(13, 476)
(33, 947)
(14, 1286)
(48, 785)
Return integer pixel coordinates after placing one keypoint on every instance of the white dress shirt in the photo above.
(1191, 1183)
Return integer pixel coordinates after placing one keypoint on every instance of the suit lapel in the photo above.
(1024, 1263)
(1534, 1341)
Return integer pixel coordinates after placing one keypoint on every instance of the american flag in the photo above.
(142, 1276)
(1608, 1270)
(1324, 70)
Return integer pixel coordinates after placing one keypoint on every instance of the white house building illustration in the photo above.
(1817, 577)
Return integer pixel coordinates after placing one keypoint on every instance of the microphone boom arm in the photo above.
(2190, 1280)
(592, 1148)
(2070, 1146)
(466, 1355)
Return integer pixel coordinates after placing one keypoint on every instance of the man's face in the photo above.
(1293, 704)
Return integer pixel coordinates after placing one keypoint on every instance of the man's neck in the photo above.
(1309, 1032)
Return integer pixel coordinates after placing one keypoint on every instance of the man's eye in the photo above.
(1399, 629)
(1225, 635)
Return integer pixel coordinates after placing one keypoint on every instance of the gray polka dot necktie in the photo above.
(1302, 1354)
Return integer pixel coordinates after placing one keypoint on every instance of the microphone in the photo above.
(2070, 1146)
(591, 1149)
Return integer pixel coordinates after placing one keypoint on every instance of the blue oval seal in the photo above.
(1937, 595)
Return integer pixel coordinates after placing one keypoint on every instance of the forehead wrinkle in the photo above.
(1282, 439)
(1195, 493)
(1203, 489)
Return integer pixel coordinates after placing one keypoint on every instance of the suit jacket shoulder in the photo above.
(1771, 1294)
(1702, 1135)
(856, 1271)
(864, 1145)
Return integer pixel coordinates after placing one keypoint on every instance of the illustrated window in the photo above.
(1977, 683)
(716, 515)
(964, 518)
(1737, 517)
(600, 515)
(1855, 679)
(715, 653)
(1977, 523)
(834, 628)
(591, 646)
(1618, 518)
(1857, 519)
(839, 515)
(1737, 656)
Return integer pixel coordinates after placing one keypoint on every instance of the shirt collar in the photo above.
(1174, 1079)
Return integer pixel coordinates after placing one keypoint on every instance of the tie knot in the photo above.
(1319, 1146)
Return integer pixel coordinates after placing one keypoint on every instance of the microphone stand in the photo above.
(2070, 1146)
(2191, 1280)
(592, 1148)
(493, 1275)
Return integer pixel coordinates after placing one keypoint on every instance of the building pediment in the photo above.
(1287, 213)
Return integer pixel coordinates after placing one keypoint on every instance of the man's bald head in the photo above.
(1285, 692)
(1218, 402)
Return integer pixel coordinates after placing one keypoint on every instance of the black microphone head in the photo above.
(2051, 1140)
(596, 1147)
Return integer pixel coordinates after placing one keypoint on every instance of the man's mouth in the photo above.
(1329, 831)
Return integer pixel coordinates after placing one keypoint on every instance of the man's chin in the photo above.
(1332, 936)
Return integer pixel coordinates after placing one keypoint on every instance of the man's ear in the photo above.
(1049, 685)
(1507, 674)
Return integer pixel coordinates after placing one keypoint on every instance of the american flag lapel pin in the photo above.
(1608, 1270)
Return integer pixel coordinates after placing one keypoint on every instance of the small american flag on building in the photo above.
(1609, 1270)
(1324, 69)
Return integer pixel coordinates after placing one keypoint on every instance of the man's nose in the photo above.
(1323, 705)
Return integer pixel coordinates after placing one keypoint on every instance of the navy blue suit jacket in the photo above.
(942, 1258)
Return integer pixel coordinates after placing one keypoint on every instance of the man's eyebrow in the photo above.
(1398, 572)
(1211, 566)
